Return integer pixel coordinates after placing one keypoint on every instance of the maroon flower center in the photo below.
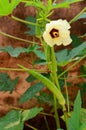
(54, 33)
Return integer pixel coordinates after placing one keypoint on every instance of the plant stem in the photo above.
(52, 65)
(24, 21)
(65, 117)
(16, 38)
(56, 113)
(54, 68)
(46, 122)
(75, 18)
(30, 126)
(67, 97)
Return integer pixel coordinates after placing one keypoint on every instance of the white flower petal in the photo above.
(57, 32)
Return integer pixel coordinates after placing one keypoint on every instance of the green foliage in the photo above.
(6, 84)
(62, 78)
(45, 98)
(82, 85)
(32, 28)
(15, 52)
(74, 120)
(82, 16)
(76, 40)
(30, 78)
(7, 7)
(65, 56)
(30, 92)
(14, 120)
(29, 114)
(83, 115)
(83, 70)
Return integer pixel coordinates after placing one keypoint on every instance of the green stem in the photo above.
(16, 38)
(70, 67)
(75, 18)
(56, 113)
(30, 126)
(54, 68)
(67, 97)
(46, 122)
(52, 65)
(24, 21)
(11, 69)
(65, 117)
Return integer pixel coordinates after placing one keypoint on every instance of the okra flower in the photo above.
(57, 32)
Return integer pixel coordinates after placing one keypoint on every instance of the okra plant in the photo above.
(50, 34)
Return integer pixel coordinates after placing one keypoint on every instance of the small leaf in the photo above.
(14, 52)
(6, 84)
(7, 7)
(74, 52)
(31, 113)
(32, 28)
(11, 121)
(82, 16)
(45, 98)
(64, 4)
(65, 56)
(83, 115)
(62, 55)
(40, 54)
(30, 92)
(74, 120)
(31, 78)
(76, 41)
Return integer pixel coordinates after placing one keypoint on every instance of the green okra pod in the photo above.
(47, 83)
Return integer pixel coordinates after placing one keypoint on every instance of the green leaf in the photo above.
(83, 88)
(30, 92)
(14, 120)
(75, 52)
(11, 121)
(6, 84)
(83, 126)
(31, 113)
(45, 98)
(37, 4)
(83, 115)
(82, 16)
(7, 7)
(76, 41)
(14, 52)
(32, 28)
(64, 4)
(30, 78)
(62, 55)
(83, 70)
(40, 54)
(65, 56)
(40, 62)
(74, 120)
